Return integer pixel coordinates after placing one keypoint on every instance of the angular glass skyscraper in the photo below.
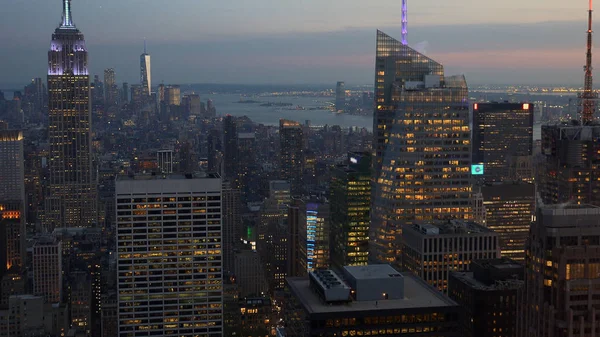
(422, 142)
(72, 192)
(145, 72)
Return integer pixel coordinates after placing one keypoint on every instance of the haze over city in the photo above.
(297, 42)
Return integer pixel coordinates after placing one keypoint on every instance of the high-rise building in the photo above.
(231, 154)
(47, 262)
(71, 201)
(125, 92)
(488, 295)
(422, 145)
(373, 300)
(433, 251)
(247, 170)
(350, 205)
(169, 245)
(165, 161)
(508, 210)
(340, 97)
(145, 73)
(12, 171)
(291, 158)
(12, 236)
(562, 273)
(173, 95)
(232, 225)
(502, 133)
(214, 151)
(111, 94)
(571, 168)
(249, 274)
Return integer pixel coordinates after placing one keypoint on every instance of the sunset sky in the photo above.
(303, 41)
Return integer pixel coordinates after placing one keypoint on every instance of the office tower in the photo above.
(111, 92)
(502, 133)
(173, 95)
(215, 156)
(433, 251)
(12, 236)
(488, 295)
(110, 326)
(125, 92)
(145, 73)
(272, 235)
(12, 171)
(340, 97)
(257, 316)
(230, 143)
(161, 93)
(247, 169)
(291, 157)
(297, 244)
(562, 273)
(97, 91)
(232, 225)
(317, 214)
(508, 210)
(71, 200)
(47, 259)
(249, 274)
(80, 300)
(571, 168)
(350, 203)
(231, 306)
(417, 107)
(169, 246)
(193, 105)
(375, 300)
(165, 161)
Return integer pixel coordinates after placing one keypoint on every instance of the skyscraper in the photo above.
(145, 72)
(111, 92)
(72, 192)
(340, 96)
(12, 171)
(47, 269)
(562, 273)
(169, 263)
(232, 225)
(350, 205)
(422, 145)
(502, 133)
(231, 154)
(291, 138)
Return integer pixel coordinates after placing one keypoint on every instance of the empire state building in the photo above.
(71, 201)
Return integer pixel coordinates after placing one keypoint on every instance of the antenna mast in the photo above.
(588, 96)
(405, 22)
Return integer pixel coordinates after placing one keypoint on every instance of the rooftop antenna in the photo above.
(588, 96)
(67, 20)
(145, 46)
(405, 22)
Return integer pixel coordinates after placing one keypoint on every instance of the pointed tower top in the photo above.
(67, 19)
(145, 46)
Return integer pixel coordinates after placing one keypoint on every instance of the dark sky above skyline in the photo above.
(303, 41)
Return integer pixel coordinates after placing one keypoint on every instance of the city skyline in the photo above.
(477, 40)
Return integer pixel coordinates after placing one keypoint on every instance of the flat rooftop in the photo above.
(469, 279)
(173, 176)
(418, 294)
(373, 271)
(451, 227)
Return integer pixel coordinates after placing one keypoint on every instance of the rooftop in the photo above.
(469, 279)
(418, 294)
(451, 227)
(372, 271)
(197, 175)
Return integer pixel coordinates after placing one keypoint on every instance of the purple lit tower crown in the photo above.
(68, 54)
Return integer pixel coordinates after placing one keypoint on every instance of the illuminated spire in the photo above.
(589, 96)
(67, 19)
(404, 22)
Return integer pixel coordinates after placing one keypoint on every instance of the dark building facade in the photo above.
(502, 133)
(509, 209)
(488, 295)
(291, 138)
(571, 168)
(350, 206)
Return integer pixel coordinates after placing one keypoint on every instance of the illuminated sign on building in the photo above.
(311, 234)
(477, 169)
